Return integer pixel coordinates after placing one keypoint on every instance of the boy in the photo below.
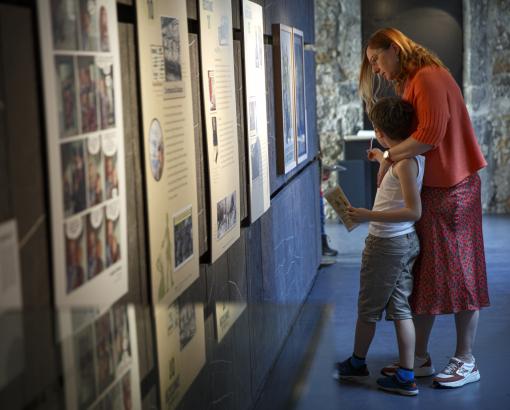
(390, 250)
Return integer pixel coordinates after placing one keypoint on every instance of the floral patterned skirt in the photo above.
(450, 274)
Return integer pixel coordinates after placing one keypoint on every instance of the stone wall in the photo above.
(487, 93)
(486, 85)
(338, 51)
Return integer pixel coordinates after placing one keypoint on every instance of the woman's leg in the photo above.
(466, 323)
(364, 334)
(423, 326)
(406, 342)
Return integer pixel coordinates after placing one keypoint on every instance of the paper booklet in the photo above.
(337, 199)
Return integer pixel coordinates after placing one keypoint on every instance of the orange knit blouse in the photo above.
(442, 120)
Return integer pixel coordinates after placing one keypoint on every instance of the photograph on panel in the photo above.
(187, 323)
(73, 177)
(223, 31)
(64, 24)
(252, 115)
(85, 371)
(127, 394)
(300, 107)
(104, 33)
(105, 92)
(287, 95)
(112, 233)
(95, 243)
(164, 263)
(259, 47)
(66, 95)
(94, 171)
(75, 253)
(212, 91)
(214, 124)
(183, 238)
(156, 149)
(110, 159)
(256, 158)
(88, 13)
(105, 371)
(121, 339)
(226, 214)
(88, 105)
(171, 48)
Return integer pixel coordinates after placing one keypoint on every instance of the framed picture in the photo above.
(284, 98)
(299, 95)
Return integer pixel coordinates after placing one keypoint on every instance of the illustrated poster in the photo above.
(256, 109)
(218, 90)
(169, 146)
(85, 146)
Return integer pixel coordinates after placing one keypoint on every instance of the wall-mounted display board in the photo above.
(255, 88)
(180, 337)
(226, 314)
(169, 143)
(284, 98)
(85, 146)
(290, 98)
(101, 363)
(218, 90)
(299, 95)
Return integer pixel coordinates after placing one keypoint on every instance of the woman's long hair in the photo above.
(412, 56)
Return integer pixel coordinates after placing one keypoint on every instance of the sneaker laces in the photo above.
(452, 366)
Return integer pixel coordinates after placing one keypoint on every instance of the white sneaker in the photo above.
(457, 374)
(422, 368)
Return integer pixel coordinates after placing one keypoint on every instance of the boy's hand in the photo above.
(375, 154)
(358, 214)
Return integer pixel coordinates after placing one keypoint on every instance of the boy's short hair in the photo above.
(393, 116)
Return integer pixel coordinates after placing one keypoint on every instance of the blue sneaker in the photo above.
(395, 385)
(345, 370)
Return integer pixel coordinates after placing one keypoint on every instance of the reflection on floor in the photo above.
(311, 383)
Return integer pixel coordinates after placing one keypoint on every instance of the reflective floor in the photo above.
(95, 359)
(337, 286)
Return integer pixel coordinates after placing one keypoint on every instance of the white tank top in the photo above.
(389, 197)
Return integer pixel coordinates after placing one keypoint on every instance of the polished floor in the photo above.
(323, 333)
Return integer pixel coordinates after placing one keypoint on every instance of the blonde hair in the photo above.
(411, 57)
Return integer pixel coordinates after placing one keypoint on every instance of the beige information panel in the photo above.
(218, 90)
(169, 146)
(181, 349)
(85, 146)
(256, 109)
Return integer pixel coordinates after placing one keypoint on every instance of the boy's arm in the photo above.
(406, 171)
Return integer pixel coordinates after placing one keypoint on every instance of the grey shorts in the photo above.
(386, 279)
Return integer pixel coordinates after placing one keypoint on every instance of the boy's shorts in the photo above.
(386, 279)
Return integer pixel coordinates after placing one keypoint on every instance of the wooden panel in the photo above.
(25, 170)
(294, 13)
(137, 258)
(236, 14)
(191, 6)
(196, 90)
(241, 139)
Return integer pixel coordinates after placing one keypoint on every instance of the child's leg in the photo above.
(364, 334)
(406, 342)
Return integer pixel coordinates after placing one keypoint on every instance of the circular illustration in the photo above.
(156, 149)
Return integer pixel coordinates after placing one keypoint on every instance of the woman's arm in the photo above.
(406, 171)
(408, 148)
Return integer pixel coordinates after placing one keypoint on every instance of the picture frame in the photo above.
(284, 98)
(300, 126)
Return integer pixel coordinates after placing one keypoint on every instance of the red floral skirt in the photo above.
(450, 274)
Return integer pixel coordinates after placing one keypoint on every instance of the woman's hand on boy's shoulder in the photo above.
(358, 214)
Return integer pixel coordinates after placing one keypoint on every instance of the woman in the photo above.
(449, 275)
